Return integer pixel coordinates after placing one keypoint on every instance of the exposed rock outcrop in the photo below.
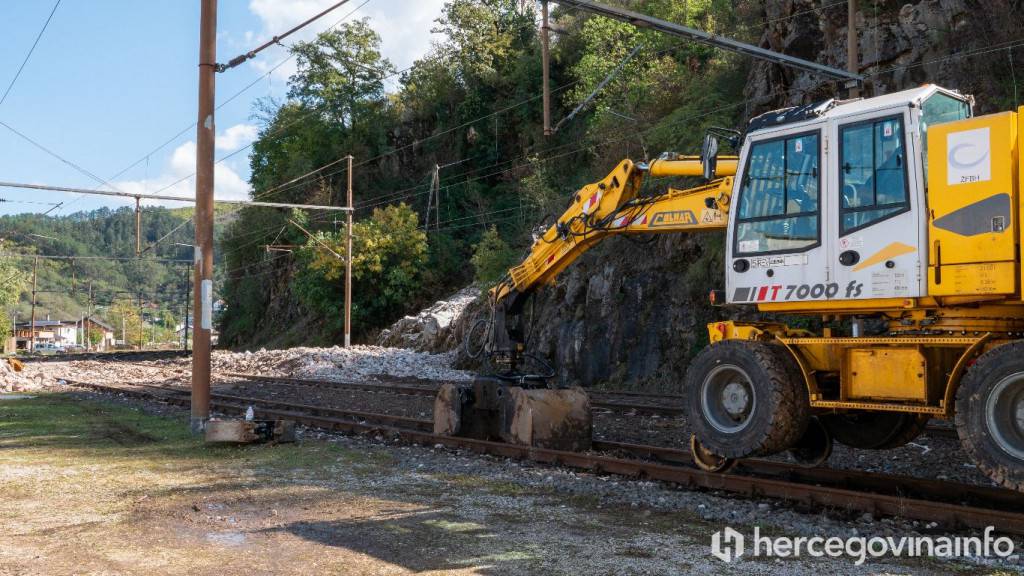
(432, 329)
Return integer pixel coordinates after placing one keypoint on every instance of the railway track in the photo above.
(656, 404)
(952, 505)
(598, 399)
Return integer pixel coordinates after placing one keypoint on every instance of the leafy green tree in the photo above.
(127, 322)
(12, 281)
(389, 253)
(342, 73)
(492, 257)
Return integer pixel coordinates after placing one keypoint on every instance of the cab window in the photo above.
(937, 109)
(872, 172)
(778, 201)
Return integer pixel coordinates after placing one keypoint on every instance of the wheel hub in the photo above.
(735, 399)
(727, 398)
(1004, 415)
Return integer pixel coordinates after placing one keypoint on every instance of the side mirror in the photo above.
(709, 156)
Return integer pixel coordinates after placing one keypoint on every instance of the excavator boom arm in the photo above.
(610, 207)
(613, 206)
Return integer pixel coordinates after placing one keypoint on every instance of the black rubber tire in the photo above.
(971, 425)
(874, 430)
(781, 410)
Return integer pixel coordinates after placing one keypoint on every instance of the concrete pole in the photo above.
(203, 295)
(545, 67)
(32, 320)
(348, 260)
(852, 61)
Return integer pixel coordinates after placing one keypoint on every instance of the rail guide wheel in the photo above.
(815, 447)
(874, 430)
(745, 399)
(990, 414)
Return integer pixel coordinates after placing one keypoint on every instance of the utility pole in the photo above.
(142, 325)
(188, 289)
(138, 227)
(203, 295)
(545, 66)
(852, 63)
(88, 327)
(348, 260)
(32, 321)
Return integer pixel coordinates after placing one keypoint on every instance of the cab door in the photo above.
(775, 251)
(877, 228)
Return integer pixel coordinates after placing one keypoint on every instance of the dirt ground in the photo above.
(90, 486)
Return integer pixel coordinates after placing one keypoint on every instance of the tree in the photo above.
(12, 281)
(492, 257)
(341, 73)
(126, 320)
(389, 253)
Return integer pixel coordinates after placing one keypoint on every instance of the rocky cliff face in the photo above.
(959, 44)
(634, 314)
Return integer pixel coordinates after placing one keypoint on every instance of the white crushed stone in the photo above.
(433, 328)
(13, 381)
(338, 363)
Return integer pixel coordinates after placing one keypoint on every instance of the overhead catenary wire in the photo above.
(169, 198)
(29, 54)
(237, 60)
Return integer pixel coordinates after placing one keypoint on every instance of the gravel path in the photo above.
(601, 524)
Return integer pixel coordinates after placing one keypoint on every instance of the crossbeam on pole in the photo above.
(165, 197)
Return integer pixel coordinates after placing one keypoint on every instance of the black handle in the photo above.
(849, 258)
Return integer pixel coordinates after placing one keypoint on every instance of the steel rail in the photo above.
(427, 390)
(951, 515)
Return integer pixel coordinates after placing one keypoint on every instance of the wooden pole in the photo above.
(138, 227)
(852, 61)
(32, 320)
(348, 260)
(545, 53)
(88, 327)
(203, 295)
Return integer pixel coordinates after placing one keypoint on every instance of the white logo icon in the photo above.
(727, 545)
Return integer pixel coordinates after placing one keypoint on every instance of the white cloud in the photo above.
(404, 27)
(177, 180)
(237, 136)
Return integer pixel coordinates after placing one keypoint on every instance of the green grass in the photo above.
(52, 428)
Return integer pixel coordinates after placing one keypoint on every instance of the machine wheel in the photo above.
(745, 399)
(874, 430)
(814, 447)
(990, 414)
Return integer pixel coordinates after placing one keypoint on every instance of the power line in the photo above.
(115, 258)
(237, 60)
(169, 198)
(30, 51)
(246, 88)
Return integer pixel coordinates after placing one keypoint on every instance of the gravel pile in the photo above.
(356, 363)
(337, 363)
(434, 328)
(12, 380)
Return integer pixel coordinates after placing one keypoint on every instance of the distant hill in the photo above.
(89, 242)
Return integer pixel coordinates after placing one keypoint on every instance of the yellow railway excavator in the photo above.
(895, 220)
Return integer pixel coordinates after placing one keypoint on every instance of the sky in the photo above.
(110, 80)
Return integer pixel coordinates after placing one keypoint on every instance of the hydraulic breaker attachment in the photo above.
(491, 409)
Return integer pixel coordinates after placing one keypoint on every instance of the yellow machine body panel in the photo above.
(885, 374)
(973, 203)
